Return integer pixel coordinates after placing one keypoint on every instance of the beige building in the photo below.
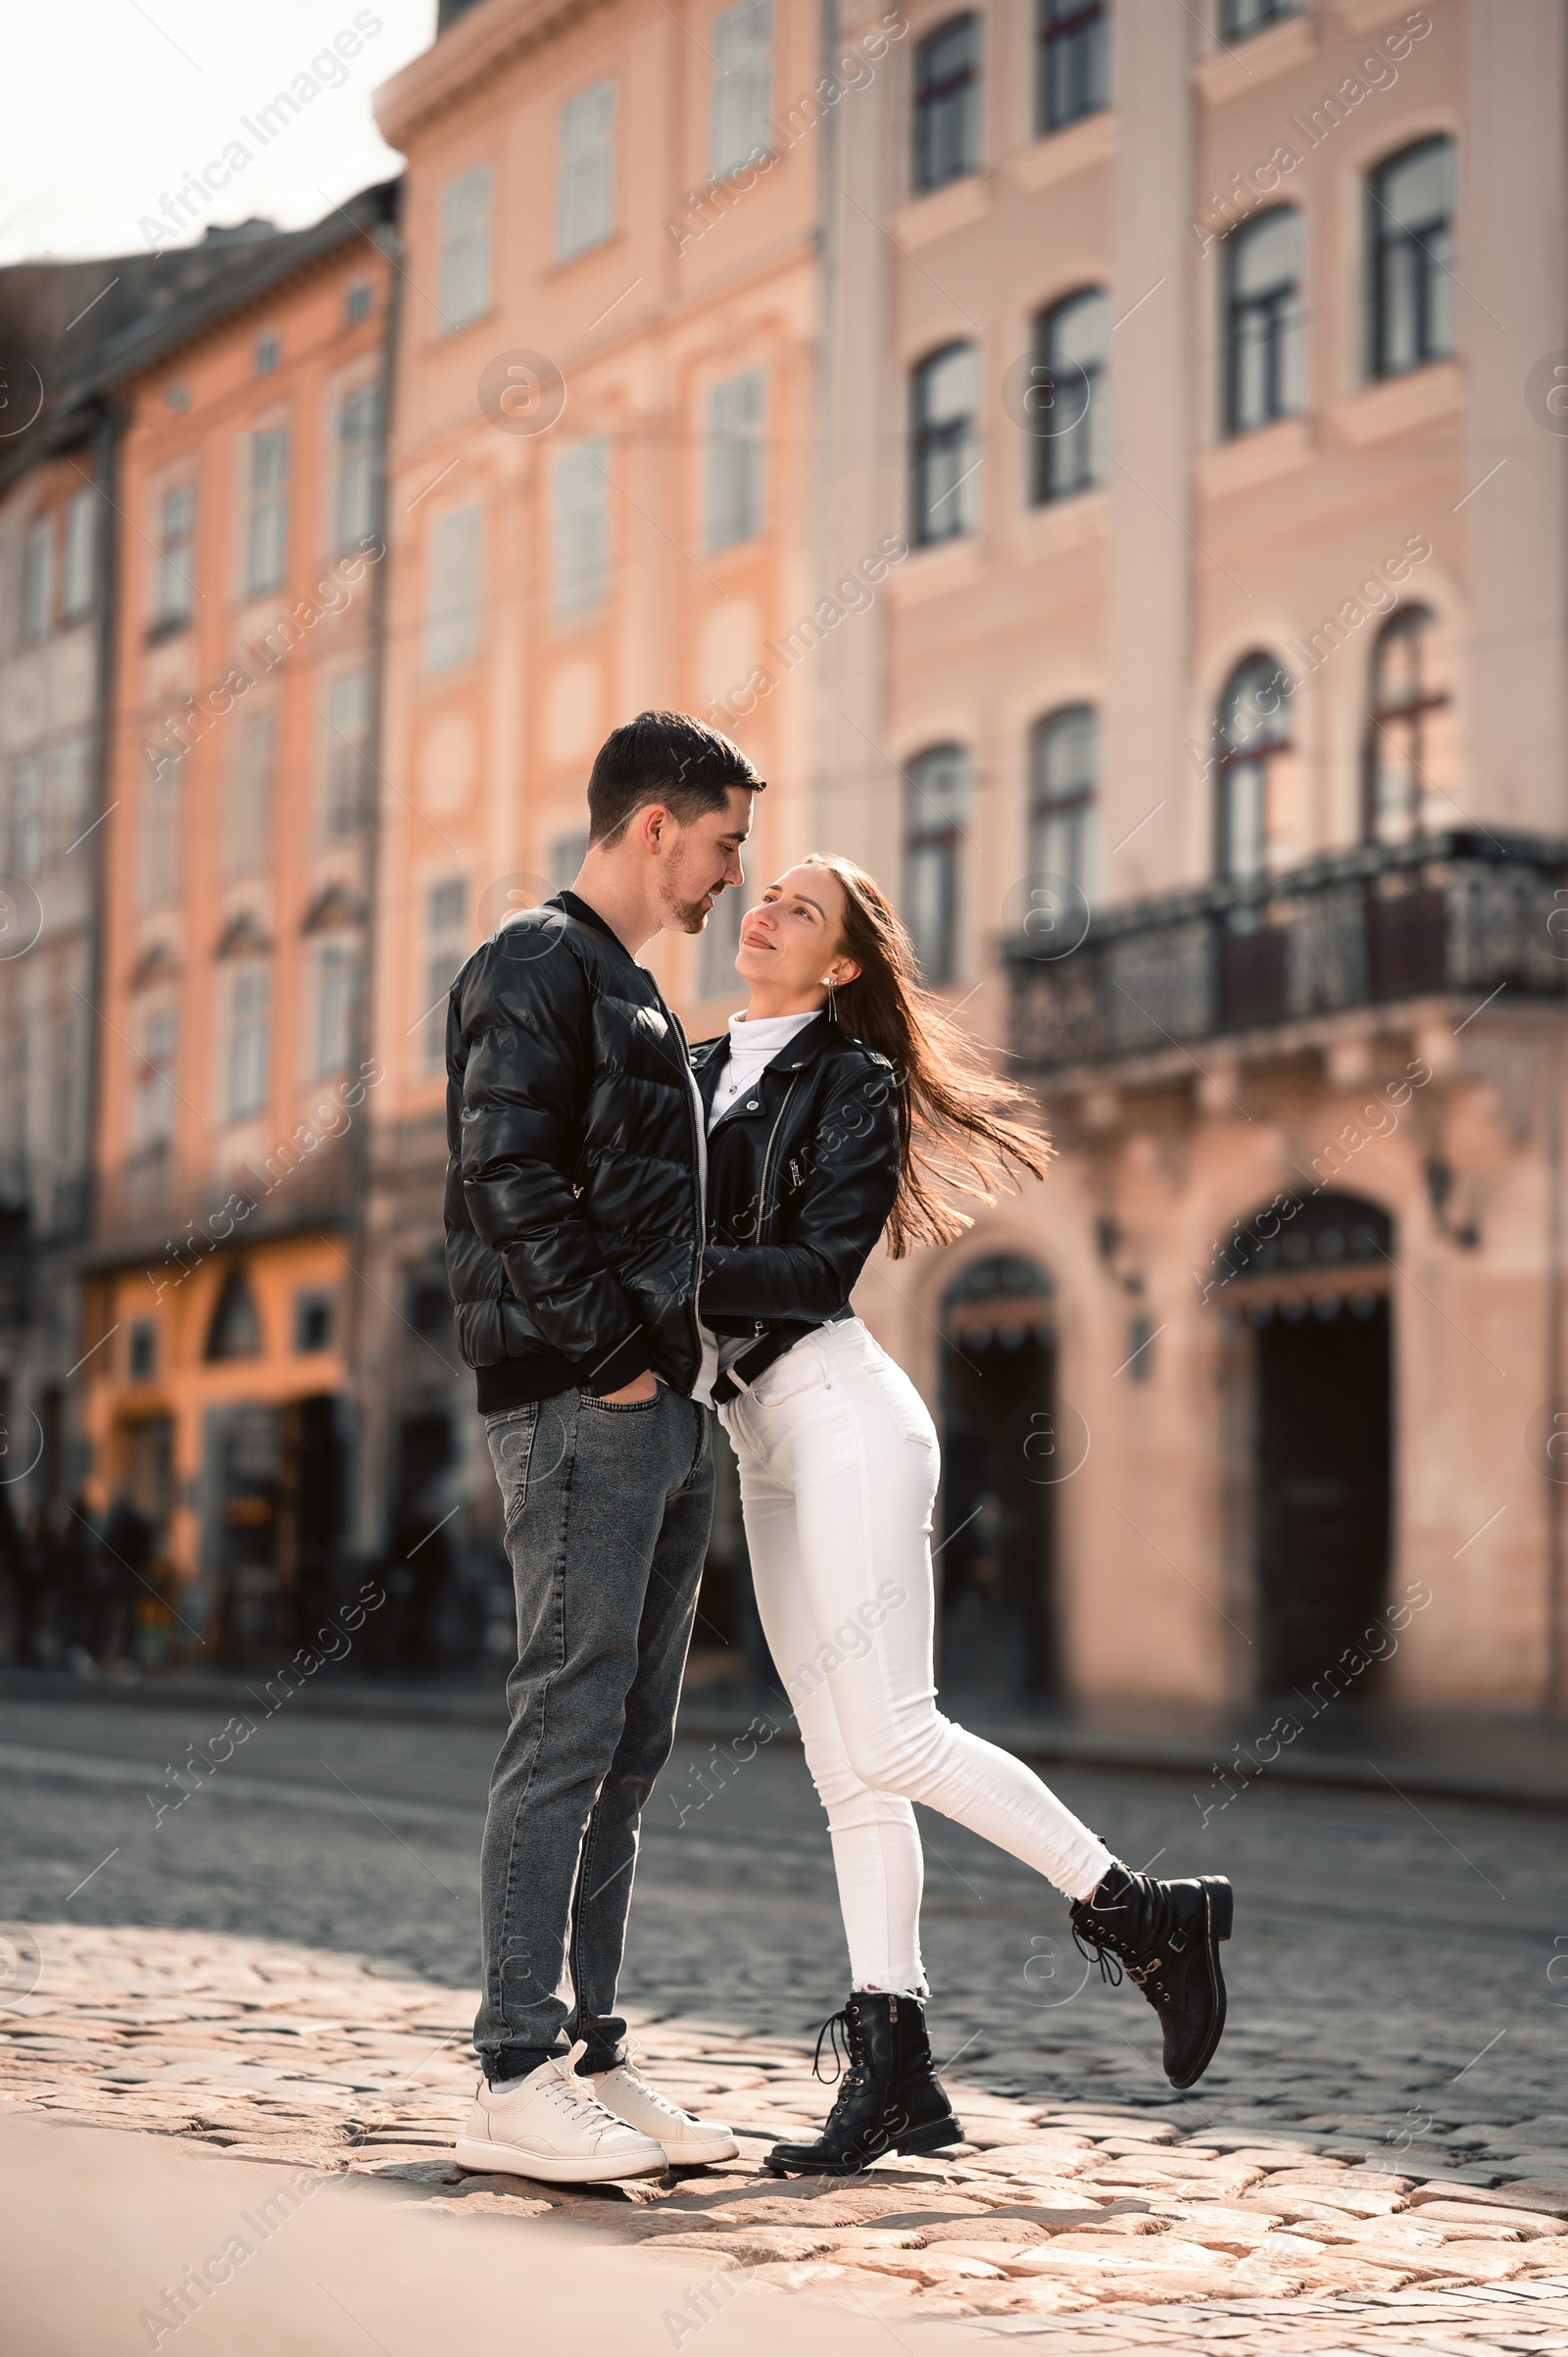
(1104, 463)
(1216, 727)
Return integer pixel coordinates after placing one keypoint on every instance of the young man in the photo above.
(575, 1236)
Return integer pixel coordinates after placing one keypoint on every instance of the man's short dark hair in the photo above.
(666, 757)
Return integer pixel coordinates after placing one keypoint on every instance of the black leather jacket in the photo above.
(572, 1204)
(803, 1170)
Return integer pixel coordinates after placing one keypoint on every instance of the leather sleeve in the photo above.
(848, 1184)
(519, 1032)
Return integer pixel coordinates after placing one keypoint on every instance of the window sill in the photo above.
(1399, 404)
(1266, 454)
(1245, 66)
(561, 266)
(940, 571)
(1060, 527)
(1055, 156)
(957, 206)
(444, 335)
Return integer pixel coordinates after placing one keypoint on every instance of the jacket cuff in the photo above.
(617, 1367)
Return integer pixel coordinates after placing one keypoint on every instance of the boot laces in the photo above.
(849, 2056)
(1099, 1947)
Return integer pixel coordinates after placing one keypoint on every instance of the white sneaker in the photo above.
(686, 2141)
(552, 2126)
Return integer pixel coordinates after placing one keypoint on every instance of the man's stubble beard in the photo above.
(691, 916)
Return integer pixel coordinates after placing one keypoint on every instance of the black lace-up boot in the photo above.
(1167, 1935)
(889, 2098)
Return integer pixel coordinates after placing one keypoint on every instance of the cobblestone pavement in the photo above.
(1379, 2158)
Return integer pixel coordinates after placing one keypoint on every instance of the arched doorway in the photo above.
(1309, 1287)
(996, 1532)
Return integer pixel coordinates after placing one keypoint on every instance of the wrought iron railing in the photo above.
(1468, 913)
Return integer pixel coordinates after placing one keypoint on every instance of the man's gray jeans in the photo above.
(607, 1518)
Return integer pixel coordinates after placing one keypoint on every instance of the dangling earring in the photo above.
(832, 1009)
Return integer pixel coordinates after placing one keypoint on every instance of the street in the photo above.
(1395, 1971)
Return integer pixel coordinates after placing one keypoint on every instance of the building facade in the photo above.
(601, 499)
(1214, 726)
(237, 846)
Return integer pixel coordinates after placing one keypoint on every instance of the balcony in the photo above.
(149, 1209)
(1467, 913)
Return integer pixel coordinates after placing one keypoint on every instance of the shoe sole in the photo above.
(694, 2156)
(1219, 1914)
(551, 2167)
(929, 2138)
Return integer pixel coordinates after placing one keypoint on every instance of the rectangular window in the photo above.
(946, 104)
(580, 568)
(158, 836)
(248, 804)
(77, 583)
(359, 467)
(345, 754)
(266, 540)
(65, 1074)
(452, 614)
(446, 945)
(716, 977)
(566, 855)
(1238, 18)
(70, 792)
(585, 174)
(26, 819)
(734, 486)
(152, 1095)
(250, 1024)
(743, 86)
(465, 248)
(174, 588)
(335, 996)
(38, 579)
(1074, 62)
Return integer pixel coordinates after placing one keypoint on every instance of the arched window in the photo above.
(946, 104)
(1067, 398)
(1263, 321)
(944, 454)
(1065, 769)
(935, 810)
(1410, 234)
(1409, 730)
(1252, 727)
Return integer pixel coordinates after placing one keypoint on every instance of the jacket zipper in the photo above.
(693, 1107)
(768, 1164)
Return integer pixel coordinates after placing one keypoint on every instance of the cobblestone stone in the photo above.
(1056, 2221)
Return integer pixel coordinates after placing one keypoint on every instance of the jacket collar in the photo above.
(710, 1057)
(572, 905)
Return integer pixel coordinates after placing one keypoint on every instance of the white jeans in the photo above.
(838, 1464)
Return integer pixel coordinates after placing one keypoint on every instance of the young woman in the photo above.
(841, 1105)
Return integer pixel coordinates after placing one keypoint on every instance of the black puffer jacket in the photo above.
(572, 1205)
(803, 1170)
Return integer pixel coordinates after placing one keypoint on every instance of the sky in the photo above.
(107, 106)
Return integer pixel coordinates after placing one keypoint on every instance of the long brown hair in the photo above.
(958, 1125)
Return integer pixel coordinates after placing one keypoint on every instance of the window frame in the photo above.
(1382, 245)
(1081, 800)
(453, 631)
(77, 571)
(1405, 621)
(726, 158)
(962, 86)
(467, 245)
(580, 586)
(944, 837)
(928, 442)
(1286, 317)
(358, 469)
(1269, 14)
(244, 1025)
(1042, 491)
(733, 503)
(268, 483)
(1230, 758)
(37, 610)
(174, 606)
(591, 167)
(1086, 25)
